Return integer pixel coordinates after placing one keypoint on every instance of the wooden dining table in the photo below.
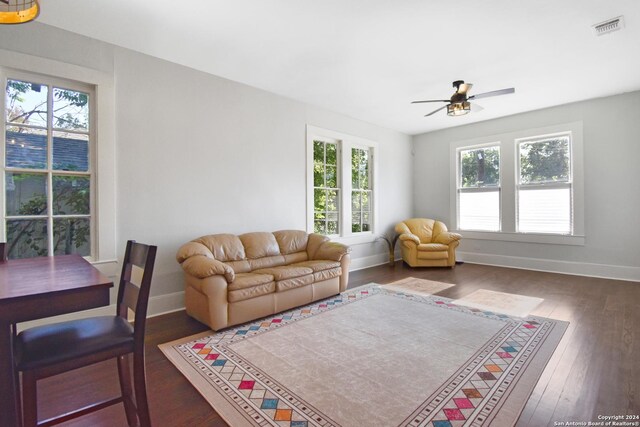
(35, 288)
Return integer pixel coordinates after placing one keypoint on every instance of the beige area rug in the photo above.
(370, 357)
(416, 286)
(500, 302)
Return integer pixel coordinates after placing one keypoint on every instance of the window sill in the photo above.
(359, 239)
(549, 239)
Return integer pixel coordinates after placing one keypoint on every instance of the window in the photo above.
(360, 190)
(479, 188)
(520, 186)
(47, 175)
(341, 175)
(544, 185)
(326, 194)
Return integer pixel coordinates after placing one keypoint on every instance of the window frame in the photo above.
(104, 193)
(509, 179)
(49, 171)
(345, 144)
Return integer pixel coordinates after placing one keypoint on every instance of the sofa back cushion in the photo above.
(291, 241)
(252, 251)
(259, 245)
(224, 247)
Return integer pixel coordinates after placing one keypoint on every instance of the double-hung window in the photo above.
(479, 188)
(544, 185)
(341, 194)
(47, 168)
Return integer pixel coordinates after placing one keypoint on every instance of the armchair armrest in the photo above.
(197, 260)
(410, 237)
(333, 251)
(447, 237)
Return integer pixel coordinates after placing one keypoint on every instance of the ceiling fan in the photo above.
(459, 103)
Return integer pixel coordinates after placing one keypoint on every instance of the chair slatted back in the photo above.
(132, 296)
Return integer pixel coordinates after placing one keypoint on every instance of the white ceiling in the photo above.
(369, 59)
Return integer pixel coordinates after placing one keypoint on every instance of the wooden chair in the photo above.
(49, 350)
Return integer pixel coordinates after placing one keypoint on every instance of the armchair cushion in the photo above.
(432, 247)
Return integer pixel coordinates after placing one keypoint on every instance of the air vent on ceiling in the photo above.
(609, 26)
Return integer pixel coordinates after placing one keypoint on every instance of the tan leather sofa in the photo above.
(427, 243)
(234, 279)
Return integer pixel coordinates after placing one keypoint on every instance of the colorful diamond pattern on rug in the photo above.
(468, 397)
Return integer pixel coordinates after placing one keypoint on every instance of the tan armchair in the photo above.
(427, 243)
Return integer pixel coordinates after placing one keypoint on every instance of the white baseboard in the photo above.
(616, 272)
(370, 261)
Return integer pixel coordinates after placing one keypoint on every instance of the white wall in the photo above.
(611, 180)
(198, 154)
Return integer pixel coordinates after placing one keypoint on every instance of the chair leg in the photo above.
(16, 375)
(141, 389)
(29, 400)
(125, 388)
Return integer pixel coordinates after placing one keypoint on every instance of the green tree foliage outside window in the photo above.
(361, 190)
(480, 167)
(25, 193)
(545, 161)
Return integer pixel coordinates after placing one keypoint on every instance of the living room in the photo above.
(206, 125)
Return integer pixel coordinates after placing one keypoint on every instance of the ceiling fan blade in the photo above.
(464, 88)
(493, 93)
(430, 100)
(476, 108)
(435, 111)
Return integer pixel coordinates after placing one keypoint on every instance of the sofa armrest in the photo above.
(410, 237)
(192, 249)
(447, 237)
(333, 251)
(203, 267)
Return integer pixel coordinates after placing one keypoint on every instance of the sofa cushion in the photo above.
(291, 241)
(265, 262)
(317, 265)
(295, 257)
(285, 272)
(224, 247)
(249, 280)
(296, 282)
(259, 245)
(432, 247)
(251, 292)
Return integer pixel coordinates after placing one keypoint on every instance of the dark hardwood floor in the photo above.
(594, 371)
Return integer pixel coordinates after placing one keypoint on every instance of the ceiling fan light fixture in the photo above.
(18, 11)
(458, 108)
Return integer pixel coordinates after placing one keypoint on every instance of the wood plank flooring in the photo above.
(594, 371)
